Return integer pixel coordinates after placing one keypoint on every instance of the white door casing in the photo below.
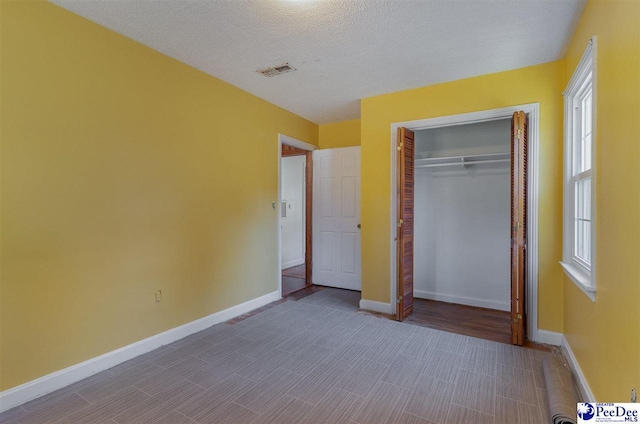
(336, 216)
(276, 205)
(533, 112)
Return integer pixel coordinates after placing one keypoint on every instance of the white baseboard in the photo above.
(59, 379)
(372, 305)
(462, 300)
(583, 385)
(293, 263)
(549, 337)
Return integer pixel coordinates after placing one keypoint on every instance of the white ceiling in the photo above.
(343, 50)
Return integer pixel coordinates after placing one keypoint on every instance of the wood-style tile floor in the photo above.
(483, 323)
(295, 271)
(317, 359)
(293, 279)
(291, 285)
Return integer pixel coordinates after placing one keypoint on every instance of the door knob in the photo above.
(359, 225)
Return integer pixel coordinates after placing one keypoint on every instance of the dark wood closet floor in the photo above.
(471, 321)
(295, 271)
(293, 279)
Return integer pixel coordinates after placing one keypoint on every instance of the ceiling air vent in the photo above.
(276, 70)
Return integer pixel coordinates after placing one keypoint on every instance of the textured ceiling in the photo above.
(343, 50)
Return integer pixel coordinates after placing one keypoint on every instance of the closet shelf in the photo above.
(463, 161)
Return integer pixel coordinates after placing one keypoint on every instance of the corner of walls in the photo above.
(339, 134)
(549, 337)
(581, 379)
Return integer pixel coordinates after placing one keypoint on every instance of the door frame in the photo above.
(290, 141)
(533, 112)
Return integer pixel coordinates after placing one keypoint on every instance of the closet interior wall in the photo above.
(462, 214)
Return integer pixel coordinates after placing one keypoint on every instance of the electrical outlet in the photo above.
(158, 296)
(634, 395)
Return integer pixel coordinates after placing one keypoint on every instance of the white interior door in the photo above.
(336, 218)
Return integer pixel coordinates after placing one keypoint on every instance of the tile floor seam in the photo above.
(81, 397)
(446, 417)
(474, 409)
(180, 413)
(249, 378)
(539, 400)
(393, 384)
(89, 404)
(440, 379)
(302, 400)
(539, 405)
(405, 401)
(524, 403)
(233, 401)
(148, 394)
(199, 385)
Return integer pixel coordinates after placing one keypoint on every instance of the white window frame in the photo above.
(581, 273)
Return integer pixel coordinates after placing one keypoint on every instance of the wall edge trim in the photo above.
(381, 307)
(581, 380)
(549, 337)
(462, 300)
(33, 389)
(295, 262)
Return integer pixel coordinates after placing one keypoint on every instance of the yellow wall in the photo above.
(605, 335)
(543, 84)
(124, 172)
(339, 134)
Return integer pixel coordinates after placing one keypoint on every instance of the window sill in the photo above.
(580, 278)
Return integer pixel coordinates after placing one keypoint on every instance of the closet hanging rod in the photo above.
(463, 163)
(463, 160)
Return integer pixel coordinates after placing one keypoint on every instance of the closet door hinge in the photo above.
(400, 222)
(400, 146)
(517, 318)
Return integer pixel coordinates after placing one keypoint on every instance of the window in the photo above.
(578, 258)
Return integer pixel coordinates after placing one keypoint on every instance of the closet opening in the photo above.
(462, 211)
(296, 196)
(461, 223)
